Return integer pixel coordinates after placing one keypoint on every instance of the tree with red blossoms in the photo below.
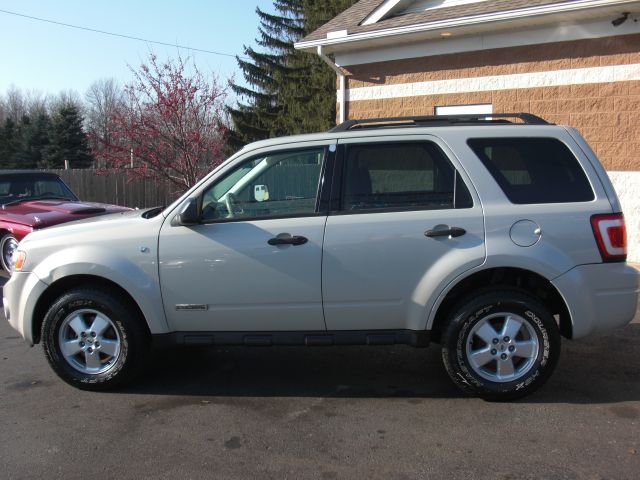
(171, 125)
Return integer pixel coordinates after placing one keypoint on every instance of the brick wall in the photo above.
(624, 49)
(606, 113)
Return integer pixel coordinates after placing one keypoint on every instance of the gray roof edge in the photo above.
(461, 22)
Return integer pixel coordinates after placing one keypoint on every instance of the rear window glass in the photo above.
(534, 170)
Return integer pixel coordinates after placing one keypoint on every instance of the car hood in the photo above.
(45, 213)
(111, 232)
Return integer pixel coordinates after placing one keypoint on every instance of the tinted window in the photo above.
(26, 187)
(271, 185)
(50, 187)
(401, 175)
(534, 170)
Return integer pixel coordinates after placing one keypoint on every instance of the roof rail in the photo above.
(439, 121)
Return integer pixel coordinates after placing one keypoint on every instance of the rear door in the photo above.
(404, 221)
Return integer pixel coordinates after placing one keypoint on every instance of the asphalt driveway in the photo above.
(351, 412)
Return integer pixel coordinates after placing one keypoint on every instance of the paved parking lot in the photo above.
(351, 412)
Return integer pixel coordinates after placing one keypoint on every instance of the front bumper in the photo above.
(599, 296)
(20, 295)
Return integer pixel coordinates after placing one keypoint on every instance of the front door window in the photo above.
(272, 185)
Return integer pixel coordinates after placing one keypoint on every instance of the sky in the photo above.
(48, 58)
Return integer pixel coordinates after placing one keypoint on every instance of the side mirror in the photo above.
(188, 214)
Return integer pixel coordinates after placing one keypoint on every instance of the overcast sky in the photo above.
(48, 58)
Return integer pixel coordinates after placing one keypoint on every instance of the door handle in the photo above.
(448, 232)
(286, 239)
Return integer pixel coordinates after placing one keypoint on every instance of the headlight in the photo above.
(19, 257)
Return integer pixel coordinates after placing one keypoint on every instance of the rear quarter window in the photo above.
(534, 170)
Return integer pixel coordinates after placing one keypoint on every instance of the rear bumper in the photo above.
(20, 295)
(599, 296)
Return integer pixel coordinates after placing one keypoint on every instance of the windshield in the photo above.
(21, 188)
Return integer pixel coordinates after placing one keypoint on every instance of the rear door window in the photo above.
(534, 170)
(405, 176)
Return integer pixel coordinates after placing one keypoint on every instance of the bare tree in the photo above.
(66, 98)
(14, 104)
(3, 110)
(36, 103)
(103, 99)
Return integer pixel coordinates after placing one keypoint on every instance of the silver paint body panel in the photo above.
(357, 271)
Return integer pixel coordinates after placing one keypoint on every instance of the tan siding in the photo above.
(622, 50)
(608, 115)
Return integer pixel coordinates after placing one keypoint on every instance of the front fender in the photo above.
(138, 275)
(18, 230)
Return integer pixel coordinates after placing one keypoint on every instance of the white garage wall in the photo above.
(627, 185)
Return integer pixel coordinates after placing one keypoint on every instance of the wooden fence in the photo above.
(117, 188)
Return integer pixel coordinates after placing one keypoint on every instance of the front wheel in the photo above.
(501, 345)
(93, 340)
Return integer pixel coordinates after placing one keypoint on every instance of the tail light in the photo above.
(611, 236)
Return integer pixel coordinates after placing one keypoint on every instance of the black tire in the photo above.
(490, 369)
(8, 243)
(125, 330)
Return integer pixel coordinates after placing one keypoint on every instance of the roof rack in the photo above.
(438, 121)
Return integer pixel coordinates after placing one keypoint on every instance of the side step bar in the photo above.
(414, 338)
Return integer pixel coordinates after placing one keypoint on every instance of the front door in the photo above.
(254, 261)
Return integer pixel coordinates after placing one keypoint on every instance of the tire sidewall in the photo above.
(542, 324)
(60, 310)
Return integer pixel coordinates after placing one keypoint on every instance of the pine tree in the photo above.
(21, 157)
(289, 91)
(9, 143)
(67, 141)
(35, 139)
(321, 78)
(266, 72)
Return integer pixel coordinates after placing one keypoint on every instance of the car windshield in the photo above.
(21, 188)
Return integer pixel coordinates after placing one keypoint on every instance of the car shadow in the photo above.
(600, 369)
(296, 372)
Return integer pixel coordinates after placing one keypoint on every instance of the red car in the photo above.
(34, 200)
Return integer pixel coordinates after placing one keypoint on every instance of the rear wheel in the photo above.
(8, 245)
(501, 345)
(93, 340)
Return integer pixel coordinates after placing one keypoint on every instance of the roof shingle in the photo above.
(352, 18)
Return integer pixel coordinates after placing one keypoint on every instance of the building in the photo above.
(570, 62)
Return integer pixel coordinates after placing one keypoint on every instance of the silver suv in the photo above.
(491, 238)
